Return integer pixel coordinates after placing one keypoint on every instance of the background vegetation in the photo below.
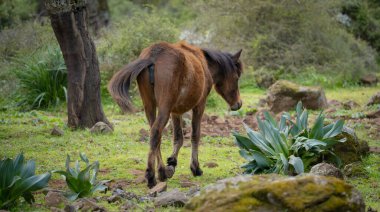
(331, 43)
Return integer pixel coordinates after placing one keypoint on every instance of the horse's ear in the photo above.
(236, 56)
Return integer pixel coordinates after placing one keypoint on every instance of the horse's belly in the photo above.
(188, 98)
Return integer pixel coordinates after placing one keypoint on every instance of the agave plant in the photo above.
(287, 147)
(18, 179)
(82, 183)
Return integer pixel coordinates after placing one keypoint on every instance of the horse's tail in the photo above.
(121, 81)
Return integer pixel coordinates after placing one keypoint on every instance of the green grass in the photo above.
(29, 132)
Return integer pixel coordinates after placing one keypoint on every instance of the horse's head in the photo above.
(226, 70)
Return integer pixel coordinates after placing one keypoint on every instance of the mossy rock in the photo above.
(278, 193)
(355, 170)
(352, 150)
(284, 95)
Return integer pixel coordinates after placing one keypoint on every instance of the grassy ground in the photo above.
(121, 152)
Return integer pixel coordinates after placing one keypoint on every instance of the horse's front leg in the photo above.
(155, 142)
(195, 138)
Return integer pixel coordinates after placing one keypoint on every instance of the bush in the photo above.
(18, 179)
(82, 183)
(43, 82)
(290, 36)
(20, 43)
(124, 41)
(288, 147)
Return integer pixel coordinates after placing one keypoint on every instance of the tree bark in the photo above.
(68, 19)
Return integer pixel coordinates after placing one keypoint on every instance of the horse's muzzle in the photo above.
(237, 105)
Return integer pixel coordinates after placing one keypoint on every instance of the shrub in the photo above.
(287, 35)
(43, 82)
(20, 43)
(287, 147)
(82, 183)
(18, 179)
(125, 40)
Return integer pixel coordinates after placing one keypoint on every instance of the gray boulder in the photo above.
(369, 79)
(174, 198)
(284, 95)
(325, 169)
(101, 128)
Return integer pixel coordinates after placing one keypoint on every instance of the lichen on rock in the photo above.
(278, 193)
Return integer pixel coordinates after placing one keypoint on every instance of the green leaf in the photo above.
(32, 183)
(285, 163)
(259, 141)
(28, 169)
(246, 155)
(261, 160)
(18, 163)
(297, 164)
(244, 142)
(335, 130)
(84, 158)
(269, 118)
(317, 129)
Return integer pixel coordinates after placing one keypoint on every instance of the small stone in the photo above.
(375, 99)
(114, 198)
(349, 105)
(55, 199)
(186, 183)
(101, 128)
(171, 198)
(140, 179)
(374, 114)
(211, 165)
(128, 206)
(160, 187)
(57, 132)
(69, 208)
(220, 120)
(87, 204)
(325, 169)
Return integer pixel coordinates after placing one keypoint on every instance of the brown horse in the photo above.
(176, 78)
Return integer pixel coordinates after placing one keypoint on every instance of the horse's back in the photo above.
(181, 75)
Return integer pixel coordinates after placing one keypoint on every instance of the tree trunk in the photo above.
(68, 19)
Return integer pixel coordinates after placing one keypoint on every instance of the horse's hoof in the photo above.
(150, 178)
(196, 171)
(169, 171)
(152, 183)
(162, 176)
(172, 161)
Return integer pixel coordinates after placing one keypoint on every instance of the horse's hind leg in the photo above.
(195, 138)
(155, 143)
(177, 144)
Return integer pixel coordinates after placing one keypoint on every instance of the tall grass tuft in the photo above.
(42, 81)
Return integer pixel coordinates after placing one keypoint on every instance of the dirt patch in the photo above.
(214, 126)
(118, 183)
(57, 184)
(374, 149)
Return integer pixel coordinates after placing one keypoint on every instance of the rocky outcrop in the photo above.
(284, 95)
(278, 193)
(369, 80)
(351, 150)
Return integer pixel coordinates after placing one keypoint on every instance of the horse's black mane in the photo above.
(223, 60)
